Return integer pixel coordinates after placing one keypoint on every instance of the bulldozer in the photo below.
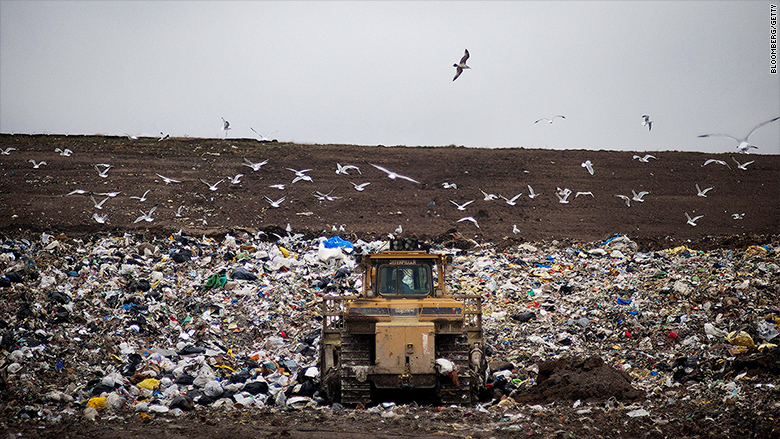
(405, 335)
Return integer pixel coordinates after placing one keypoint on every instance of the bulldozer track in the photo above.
(355, 352)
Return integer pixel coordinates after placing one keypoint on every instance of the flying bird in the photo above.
(468, 218)
(212, 187)
(236, 179)
(626, 199)
(702, 193)
(511, 201)
(583, 193)
(110, 194)
(276, 203)
(325, 197)
(77, 191)
(645, 159)
(300, 175)
(262, 137)
(489, 197)
(98, 205)
(459, 67)
(550, 121)
(447, 185)
(100, 219)
(8, 150)
(142, 198)
(360, 187)
(178, 211)
(639, 196)
(462, 206)
(588, 165)
(720, 162)
(647, 122)
(345, 169)
(37, 165)
(255, 166)
(225, 126)
(742, 166)
(104, 172)
(278, 186)
(167, 180)
(743, 144)
(738, 216)
(131, 137)
(66, 152)
(146, 216)
(531, 193)
(563, 195)
(692, 221)
(392, 175)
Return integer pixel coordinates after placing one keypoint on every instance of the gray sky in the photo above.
(381, 72)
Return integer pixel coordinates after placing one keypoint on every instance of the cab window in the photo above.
(404, 280)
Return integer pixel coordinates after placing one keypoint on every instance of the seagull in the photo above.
(37, 165)
(178, 211)
(99, 205)
(626, 199)
(131, 137)
(720, 162)
(647, 122)
(588, 165)
(276, 203)
(110, 194)
(531, 193)
(236, 179)
(277, 186)
(225, 126)
(104, 172)
(345, 169)
(262, 137)
(645, 159)
(468, 218)
(163, 136)
(325, 197)
(738, 216)
(300, 175)
(743, 144)
(255, 166)
(100, 219)
(447, 185)
(392, 175)
(563, 195)
(511, 201)
(7, 151)
(399, 230)
(459, 67)
(489, 197)
(360, 187)
(638, 196)
(742, 166)
(462, 206)
(142, 198)
(77, 191)
(692, 221)
(65, 153)
(168, 180)
(551, 120)
(146, 216)
(212, 187)
(583, 193)
(702, 193)
(515, 230)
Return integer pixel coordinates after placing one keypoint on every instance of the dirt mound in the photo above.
(572, 379)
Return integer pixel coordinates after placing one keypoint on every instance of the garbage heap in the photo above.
(176, 324)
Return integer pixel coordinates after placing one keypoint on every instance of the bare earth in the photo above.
(35, 200)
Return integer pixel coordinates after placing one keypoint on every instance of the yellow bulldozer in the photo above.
(405, 335)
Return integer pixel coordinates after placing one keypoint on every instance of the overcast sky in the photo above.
(372, 73)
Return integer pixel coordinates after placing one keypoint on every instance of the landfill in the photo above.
(181, 327)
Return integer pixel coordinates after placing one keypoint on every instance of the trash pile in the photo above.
(170, 325)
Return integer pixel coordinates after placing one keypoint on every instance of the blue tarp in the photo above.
(337, 242)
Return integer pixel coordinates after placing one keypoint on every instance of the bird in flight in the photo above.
(743, 144)
(345, 169)
(225, 126)
(459, 67)
(142, 198)
(66, 152)
(448, 185)
(109, 194)
(278, 186)
(588, 165)
(167, 180)
(563, 195)
(583, 193)
(360, 187)
(462, 206)
(646, 122)
(392, 175)
(531, 193)
(300, 175)
(104, 172)
(645, 159)
(37, 165)
(626, 199)
(692, 221)
(98, 205)
(146, 216)
(101, 219)
(489, 197)
(276, 203)
(468, 218)
(212, 187)
(7, 151)
(511, 201)
(236, 179)
(639, 196)
(702, 193)
(262, 137)
(742, 166)
(550, 121)
(255, 166)
(720, 162)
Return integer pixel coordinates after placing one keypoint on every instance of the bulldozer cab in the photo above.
(404, 280)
